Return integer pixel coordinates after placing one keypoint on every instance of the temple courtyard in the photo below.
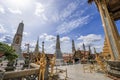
(76, 72)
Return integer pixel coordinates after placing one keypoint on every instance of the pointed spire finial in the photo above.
(38, 38)
(43, 47)
(37, 47)
(89, 49)
(95, 51)
(84, 47)
(73, 46)
(22, 21)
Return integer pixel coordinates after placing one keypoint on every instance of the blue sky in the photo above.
(71, 19)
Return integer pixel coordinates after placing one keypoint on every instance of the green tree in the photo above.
(90, 1)
(8, 51)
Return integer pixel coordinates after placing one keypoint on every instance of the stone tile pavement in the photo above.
(75, 72)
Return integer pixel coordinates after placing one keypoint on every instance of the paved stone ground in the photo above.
(75, 72)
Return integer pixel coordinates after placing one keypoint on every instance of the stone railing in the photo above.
(28, 74)
(114, 68)
(20, 74)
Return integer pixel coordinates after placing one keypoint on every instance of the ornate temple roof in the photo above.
(113, 7)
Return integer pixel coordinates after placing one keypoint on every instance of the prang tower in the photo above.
(58, 49)
(17, 40)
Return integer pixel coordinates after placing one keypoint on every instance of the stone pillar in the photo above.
(109, 29)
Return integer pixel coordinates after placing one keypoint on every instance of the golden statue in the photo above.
(42, 63)
(37, 61)
(52, 64)
(100, 63)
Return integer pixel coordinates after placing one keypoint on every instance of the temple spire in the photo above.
(73, 46)
(18, 40)
(95, 51)
(22, 21)
(58, 50)
(89, 49)
(84, 49)
(43, 47)
(36, 51)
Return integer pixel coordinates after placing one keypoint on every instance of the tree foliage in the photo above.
(8, 51)
(90, 1)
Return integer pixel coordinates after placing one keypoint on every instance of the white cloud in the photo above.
(47, 37)
(32, 45)
(65, 45)
(68, 10)
(6, 39)
(98, 46)
(52, 46)
(15, 11)
(2, 29)
(63, 17)
(65, 39)
(39, 11)
(66, 27)
(2, 10)
(50, 42)
(25, 33)
(90, 38)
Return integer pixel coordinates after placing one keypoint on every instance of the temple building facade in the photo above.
(110, 12)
